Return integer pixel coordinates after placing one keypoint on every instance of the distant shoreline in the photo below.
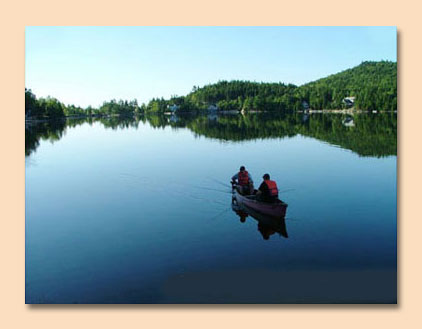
(34, 120)
(344, 111)
(31, 120)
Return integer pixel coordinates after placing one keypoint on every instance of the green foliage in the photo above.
(31, 104)
(73, 110)
(373, 84)
(120, 107)
(157, 105)
(44, 107)
(51, 107)
(243, 95)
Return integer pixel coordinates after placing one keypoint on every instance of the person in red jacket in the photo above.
(268, 190)
(244, 181)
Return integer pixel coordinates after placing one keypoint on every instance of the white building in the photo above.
(212, 107)
(173, 108)
(349, 101)
(305, 105)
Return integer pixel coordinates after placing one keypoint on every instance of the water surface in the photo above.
(136, 211)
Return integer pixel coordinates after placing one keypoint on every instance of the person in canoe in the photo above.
(243, 181)
(267, 191)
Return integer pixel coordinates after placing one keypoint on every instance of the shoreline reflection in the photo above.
(366, 134)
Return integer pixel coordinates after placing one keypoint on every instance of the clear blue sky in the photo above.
(88, 65)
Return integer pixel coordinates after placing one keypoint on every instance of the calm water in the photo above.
(136, 211)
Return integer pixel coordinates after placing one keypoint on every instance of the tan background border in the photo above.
(13, 19)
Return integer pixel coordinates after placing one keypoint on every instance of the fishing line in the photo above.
(219, 214)
(212, 189)
(219, 182)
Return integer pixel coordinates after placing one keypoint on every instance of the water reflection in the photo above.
(364, 134)
(47, 130)
(123, 212)
(267, 225)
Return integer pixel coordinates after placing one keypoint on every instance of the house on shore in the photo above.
(349, 101)
(212, 108)
(305, 105)
(173, 107)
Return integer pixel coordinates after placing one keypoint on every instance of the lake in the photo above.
(123, 210)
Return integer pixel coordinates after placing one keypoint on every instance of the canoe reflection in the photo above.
(267, 225)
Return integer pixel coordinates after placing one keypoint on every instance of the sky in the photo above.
(89, 65)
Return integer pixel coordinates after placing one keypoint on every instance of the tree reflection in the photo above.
(364, 134)
(48, 130)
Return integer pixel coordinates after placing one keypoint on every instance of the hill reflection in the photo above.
(365, 134)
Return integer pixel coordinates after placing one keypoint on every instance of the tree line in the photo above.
(52, 108)
(371, 134)
(372, 84)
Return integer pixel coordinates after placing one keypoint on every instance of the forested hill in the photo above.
(238, 95)
(373, 84)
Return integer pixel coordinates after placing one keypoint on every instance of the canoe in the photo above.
(276, 209)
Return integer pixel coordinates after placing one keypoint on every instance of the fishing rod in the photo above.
(196, 197)
(226, 185)
(212, 189)
(220, 182)
(220, 213)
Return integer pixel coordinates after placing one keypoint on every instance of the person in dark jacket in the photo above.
(268, 190)
(243, 181)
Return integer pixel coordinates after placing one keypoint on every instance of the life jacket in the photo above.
(272, 187)
(243, 178)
